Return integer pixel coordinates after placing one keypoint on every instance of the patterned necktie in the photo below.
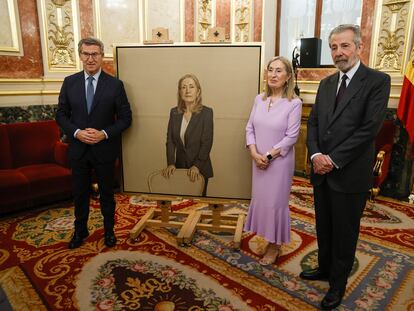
(89, 93)
(341, 90)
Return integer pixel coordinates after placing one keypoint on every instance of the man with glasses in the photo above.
(93, 111)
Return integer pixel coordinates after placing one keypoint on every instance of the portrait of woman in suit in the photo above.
(190, 133)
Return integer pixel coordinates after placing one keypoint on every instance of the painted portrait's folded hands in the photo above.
(194, 173)
(168, 171)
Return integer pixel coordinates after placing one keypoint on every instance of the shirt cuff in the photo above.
(106, 135)
(314, 155)
(336, 166)
(76, 132)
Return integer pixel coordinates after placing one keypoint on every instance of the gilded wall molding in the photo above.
(393, 32)
(243, 13)
(28, 92)
(59, 26)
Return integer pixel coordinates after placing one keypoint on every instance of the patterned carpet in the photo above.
(38, 272)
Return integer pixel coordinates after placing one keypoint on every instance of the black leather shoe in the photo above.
(77, 239)
(332, 299)
(314, 275)
(110, 239)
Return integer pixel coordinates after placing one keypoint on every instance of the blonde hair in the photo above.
(198, 102)
(288, 89)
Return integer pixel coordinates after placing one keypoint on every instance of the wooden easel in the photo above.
(192, 221)
(164, 214)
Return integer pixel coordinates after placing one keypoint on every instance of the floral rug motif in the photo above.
(154, 273)
(139, 281)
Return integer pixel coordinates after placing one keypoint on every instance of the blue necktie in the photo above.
(89, 93)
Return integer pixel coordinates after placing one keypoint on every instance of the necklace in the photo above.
(270, 105)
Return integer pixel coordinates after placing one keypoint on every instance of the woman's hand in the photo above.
(194, 173)
(261, 161)
(168, 171)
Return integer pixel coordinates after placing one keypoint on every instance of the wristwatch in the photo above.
(269, 156)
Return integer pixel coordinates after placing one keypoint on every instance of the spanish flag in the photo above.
(405, 111)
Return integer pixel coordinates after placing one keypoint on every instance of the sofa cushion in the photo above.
(5, 154)
(61, 154)
(47, 179)
(14, 191)
(33, 143)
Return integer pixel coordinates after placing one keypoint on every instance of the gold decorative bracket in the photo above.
(205, 17)
(242, 20)
(393, 33)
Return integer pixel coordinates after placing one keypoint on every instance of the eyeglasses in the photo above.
(94, 55)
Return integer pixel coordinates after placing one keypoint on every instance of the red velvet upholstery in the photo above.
(5, 155)
(14, 190)
(35, 146)
(33, 165)
(383, 146)
(61, 154)
(53, 179)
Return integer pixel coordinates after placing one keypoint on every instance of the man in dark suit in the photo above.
(93, 110)
(348, 112)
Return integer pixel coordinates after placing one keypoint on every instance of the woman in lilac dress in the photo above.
(271, 132)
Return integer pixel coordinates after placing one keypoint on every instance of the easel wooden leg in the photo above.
(238, 231)
(165, 210)
(141, 224)
(217, 219)
(164, 214)
(185, 236)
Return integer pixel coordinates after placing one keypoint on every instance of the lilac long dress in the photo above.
(269, 215)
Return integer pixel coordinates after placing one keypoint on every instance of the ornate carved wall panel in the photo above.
(242, 20)
(392, 41)
(205, 18)
(59, 29)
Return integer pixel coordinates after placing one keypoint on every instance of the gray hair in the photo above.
(90, 41)
(341, 28)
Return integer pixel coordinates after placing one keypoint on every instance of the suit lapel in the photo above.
(353, 87)
(99, 89)
(195, 119)
(331, 95)
(178, 118)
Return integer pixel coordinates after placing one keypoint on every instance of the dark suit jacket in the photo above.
(198, 138)
(110, 112)
(347, 135)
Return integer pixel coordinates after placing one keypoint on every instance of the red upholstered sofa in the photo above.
(33, 166)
